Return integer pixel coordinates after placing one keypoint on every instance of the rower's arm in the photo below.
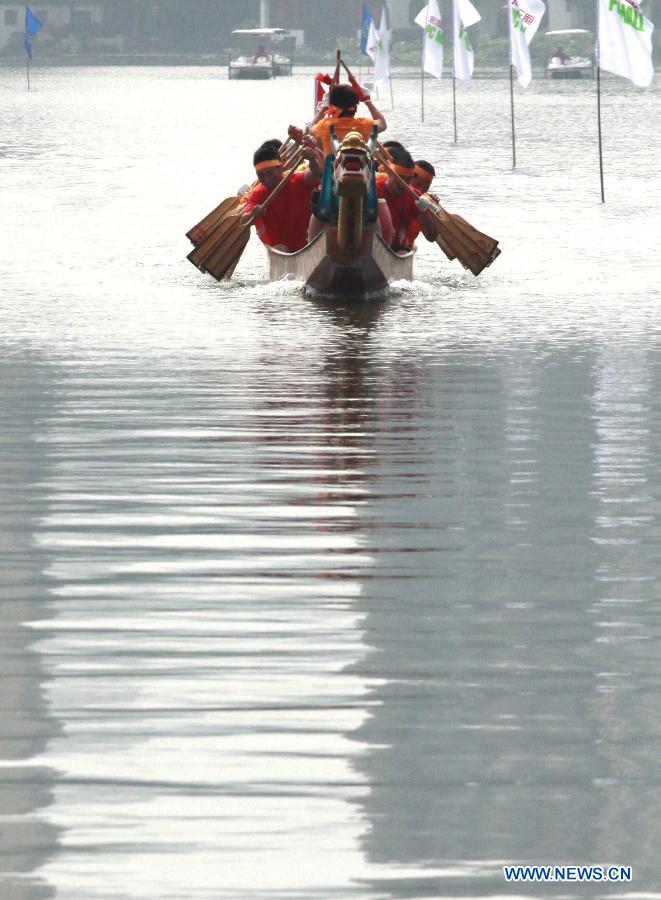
(310, 152)
(249, 216)
(379, 120)
(426, 217)
(428, 227)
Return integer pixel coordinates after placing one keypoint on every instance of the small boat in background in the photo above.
(562, 64)
(264, 62)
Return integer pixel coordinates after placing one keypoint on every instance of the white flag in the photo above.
(432, 55)
(372, 40)
(378, 47)
(463, 58)
(625, 41)
(525, 17)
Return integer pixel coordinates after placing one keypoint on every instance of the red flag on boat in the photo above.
(320, 79)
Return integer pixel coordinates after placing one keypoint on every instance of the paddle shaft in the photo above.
(355, 84)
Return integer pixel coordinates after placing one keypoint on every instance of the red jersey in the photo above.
(288, 216)
(403, 212)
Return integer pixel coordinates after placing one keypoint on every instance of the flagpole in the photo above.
(26, 44)
(392, 98)
(601, 157)
(455, 32)
(422, 73)
(512, 108)
(422, 86)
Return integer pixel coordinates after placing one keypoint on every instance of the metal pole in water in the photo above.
(601, 157)
(512, 107)
(455, 32)
(422, 85)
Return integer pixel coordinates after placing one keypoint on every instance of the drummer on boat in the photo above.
(340, 116)
(283, 225)
(343, 105)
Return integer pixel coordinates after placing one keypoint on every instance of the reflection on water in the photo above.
(313, 601)
(506, 678)
(26, 837)
(206, 561)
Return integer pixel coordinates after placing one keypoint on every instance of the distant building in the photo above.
(189, 25)
(205, 26)
(59, 19)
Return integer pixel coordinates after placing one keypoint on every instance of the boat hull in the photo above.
(570, 73)
(255, 73)
(577, 67)
(330, 274)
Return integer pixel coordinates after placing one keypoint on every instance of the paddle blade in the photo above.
(487, 244)
(218, 235)
(474, 250)
(225, 257)
(444, 247)
(198, 233)
(230, 270)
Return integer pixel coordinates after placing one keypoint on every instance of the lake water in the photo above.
(302, 600)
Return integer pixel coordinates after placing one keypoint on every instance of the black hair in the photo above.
(401, 157)
(389, 144)
(343, 96)
(265, 152)
(427, 166)
(273, 142)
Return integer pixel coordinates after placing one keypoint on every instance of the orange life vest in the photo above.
(343, 125)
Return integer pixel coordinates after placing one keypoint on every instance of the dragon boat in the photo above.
(348, 260)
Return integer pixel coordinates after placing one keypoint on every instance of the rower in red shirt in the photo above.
(408, 215)
(423, 176)
(284, 224)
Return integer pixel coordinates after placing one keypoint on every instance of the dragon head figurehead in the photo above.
(353, 166)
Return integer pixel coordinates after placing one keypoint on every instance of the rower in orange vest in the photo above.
(343, 105)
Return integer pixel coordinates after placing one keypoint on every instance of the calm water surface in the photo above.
(302, 600)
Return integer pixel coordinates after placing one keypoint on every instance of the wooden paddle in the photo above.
(445, 248)
(205, 226)
(222, 258)
(473, 249)
(204, 250)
